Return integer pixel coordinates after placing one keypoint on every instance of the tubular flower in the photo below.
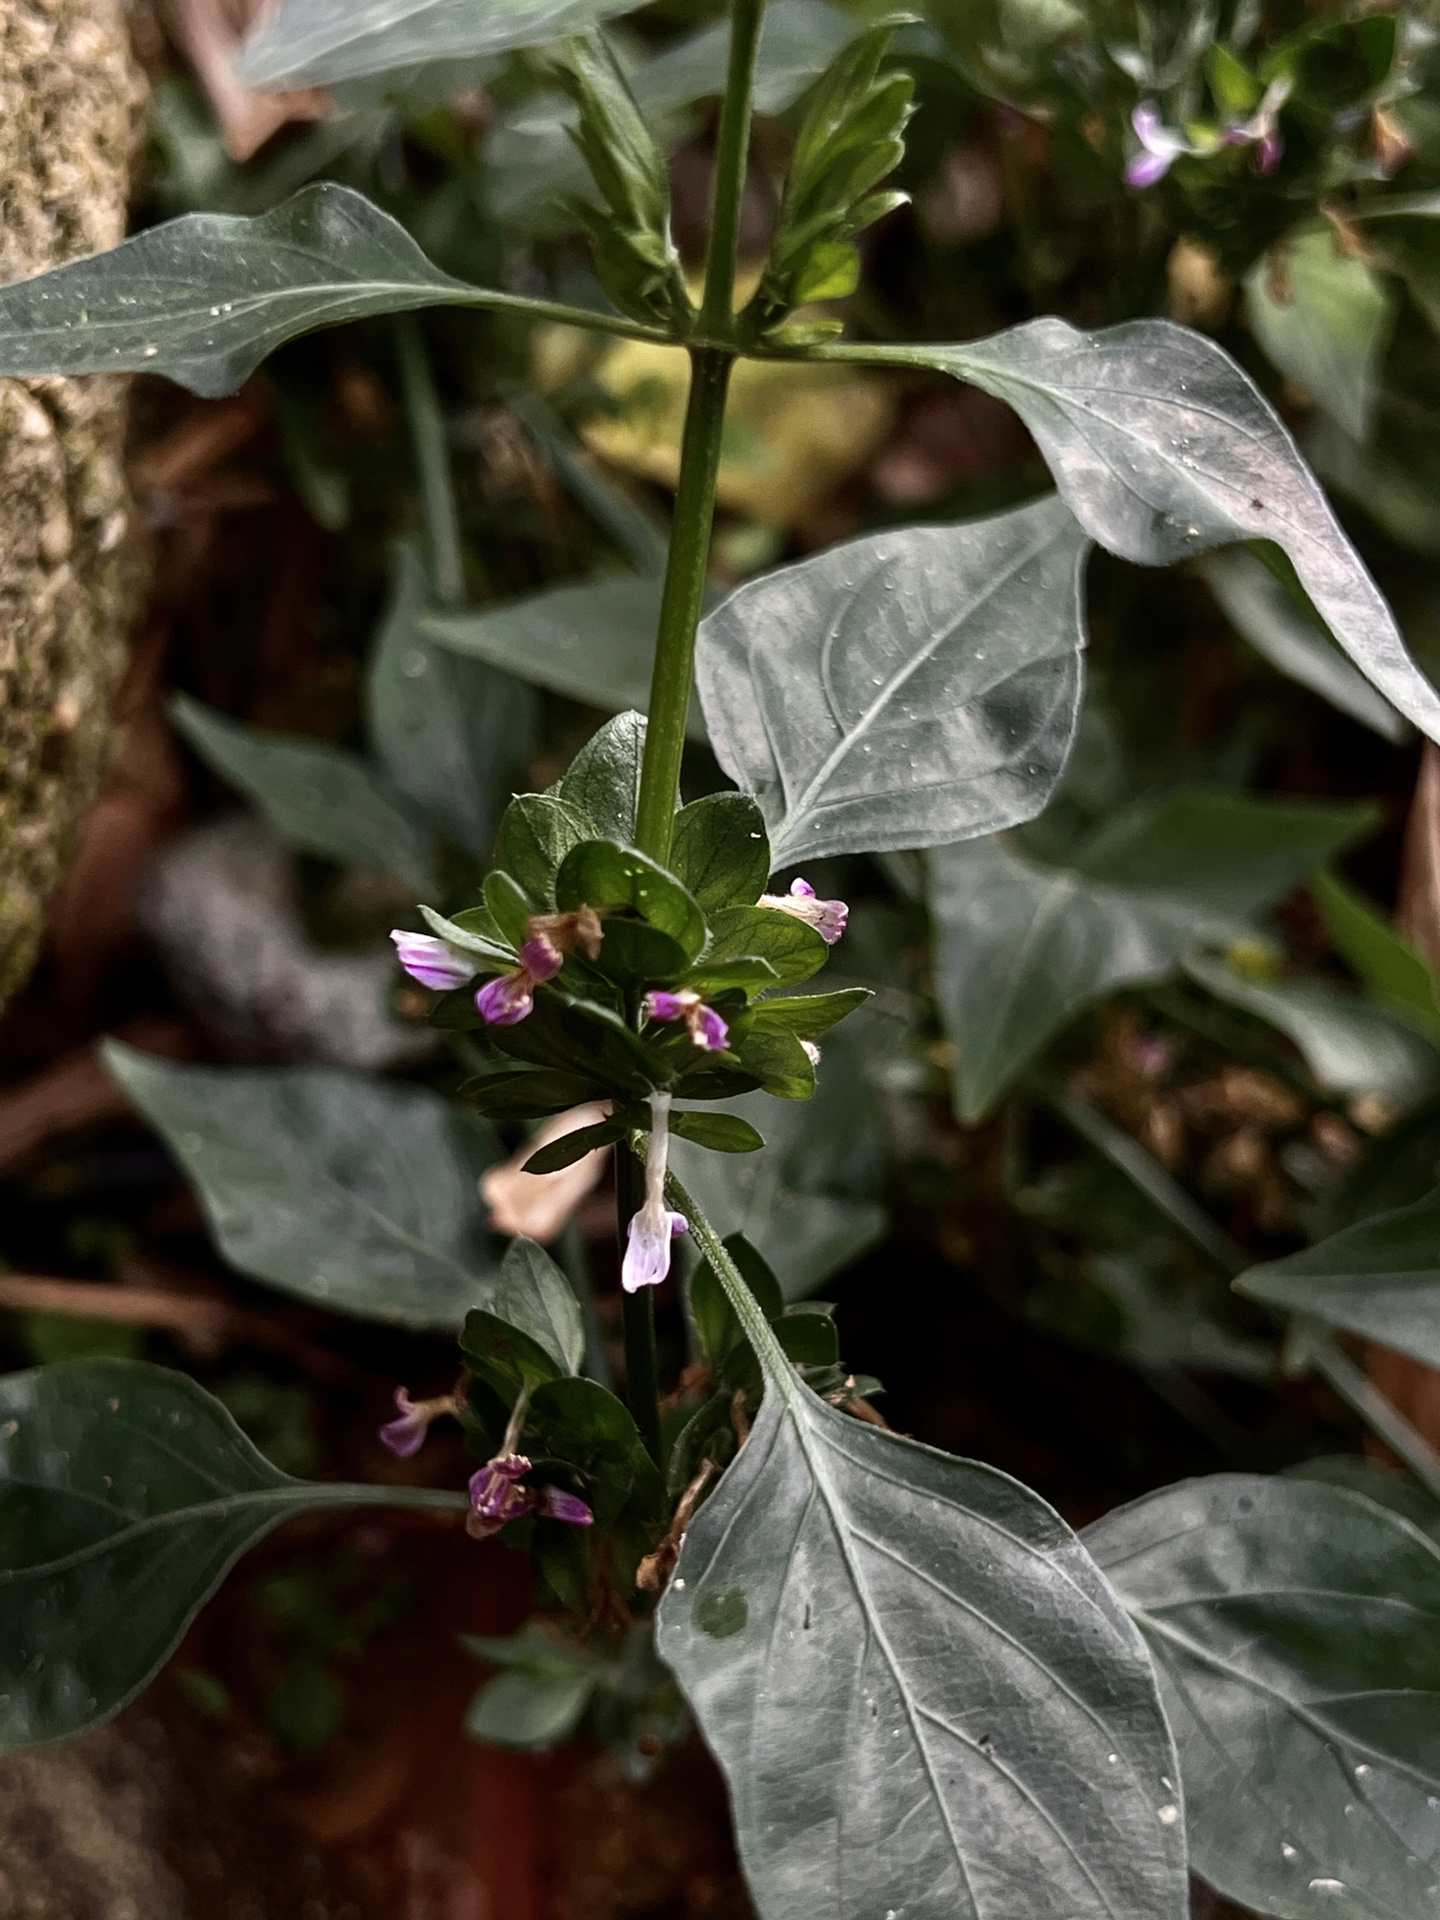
(549, 937)
(647, 1252)
(707, 1029)
(828, 917)
(405, 1435)
(428, 960)
(1262, 129)
(496, 1497)
(1159, 146)
(505, 1001)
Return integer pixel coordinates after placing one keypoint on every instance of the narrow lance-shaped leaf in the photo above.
(923, 1695)
(320, 799)
(1379, 1278)
(313, 43)
(1296, 1630)
(204, 298)
(1162, 448)
(1021, 946)
(334, 1186)
(905, 689)
(126, 1494)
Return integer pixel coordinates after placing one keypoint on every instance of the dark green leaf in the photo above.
(571, 1147)
(203, 299)
(319, 799)
(1349, 1044)
(1390, 968)
(594, 642)
(601, 874)
(904, 690)
(745, 972)
(806, 1015)
(525, 1096)
(509, 906)
(1022, 947)
(637, 954)
(507, 1360)
(317, 42)
(794, 950)
(337, 1187)
(579, 1425)
(775, 1057)
(1296, 1630)
(450, 732)
(1026, 1770)
(710, 1307)
(536, 832)
(560, 1033)
(1324, 318)
(720, 1132)
(126, 1494)
(603, 780)
(534, 1296)
(1379, 1278)
(532, 1707)
(1283, 632)
(1162, 447)
(474, 931)
(809, 1339)
(719, 850)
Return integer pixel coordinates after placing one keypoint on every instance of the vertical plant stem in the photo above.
(710, 366)
(642, 1385)
(432, 459)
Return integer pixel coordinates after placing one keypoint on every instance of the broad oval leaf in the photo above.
(1324, 317)
(319, 799)
(1379, 1278)
(450, 732)
(533, 1294)
(204, 298)
(924, 1698)
(905, 689)
(594, 642)
(1296, 1631)
(337, 1187)
(126, 1494)
(1162, 448)
(1021, 947)
(603, 780)
(313, 43)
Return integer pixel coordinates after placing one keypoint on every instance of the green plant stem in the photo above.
(680, 602)
(748, 1311)
(432, 459)
(684, 591)
(642, 1383)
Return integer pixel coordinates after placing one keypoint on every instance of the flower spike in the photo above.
(647, 1252)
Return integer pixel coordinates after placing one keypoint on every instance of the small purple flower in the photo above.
(406, 1435)
(828, 917)
(555, 1505)
(430, 961)
(707, 1029)
(1262, 129)
(648, 1237)
(1159, 144)
(505, 1001)
(540, 957)
(495, 1497)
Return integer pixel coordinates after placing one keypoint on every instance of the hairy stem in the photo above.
(642, 1383)
(732, 145)
(432, 460)
(748, 1311)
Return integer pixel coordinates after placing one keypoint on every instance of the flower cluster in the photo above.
(1161, 146)
(509, 997)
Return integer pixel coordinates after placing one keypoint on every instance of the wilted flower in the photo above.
(647, 1251)
(430, 961)
(405, 1435)
(828, 917)
(707, 1029)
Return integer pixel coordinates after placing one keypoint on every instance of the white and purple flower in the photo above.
(1160, 146)
(431, 961)
(405, 1434)
(496, 1498)
(647, 1250)
(707, 1029)
(828, 917)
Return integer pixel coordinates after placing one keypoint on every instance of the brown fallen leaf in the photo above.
(538, 1205)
